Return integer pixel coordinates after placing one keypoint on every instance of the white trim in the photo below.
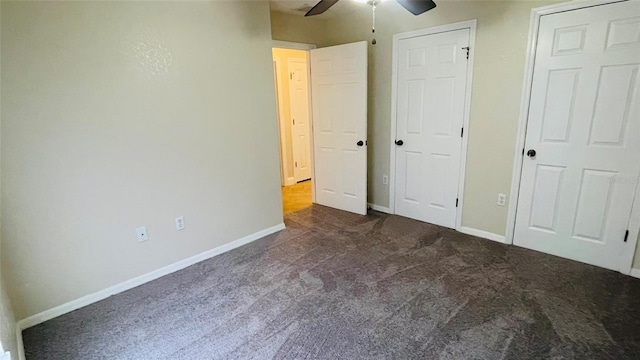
(291, 45)
(635, 273)
(465, 122)
(482, 234)
(289, 181)
(626, 257)
(380, 208)
(536, 14)
(522, 126)
(20, 343)
(137, 281)
(570, 5)
(471, 25)
(284, 150)
(311, 140)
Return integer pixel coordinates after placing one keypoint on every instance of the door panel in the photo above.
(339, 103)
(413, 174)
(613, 102)
(544, 209)
(576, 193)
(432, 78)
(300, 128)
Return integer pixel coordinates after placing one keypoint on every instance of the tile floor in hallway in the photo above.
(296, 197)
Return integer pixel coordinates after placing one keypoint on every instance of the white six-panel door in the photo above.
(577, 191)
(431, 85)
(300, 128)
(339, 102)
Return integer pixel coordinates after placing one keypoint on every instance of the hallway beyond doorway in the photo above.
(296, 197)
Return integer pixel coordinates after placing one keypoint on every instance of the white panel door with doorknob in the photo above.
(582, 149)
(300, 127)
(431, 89)
(339, 103)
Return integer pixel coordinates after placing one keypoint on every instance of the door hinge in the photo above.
(291, 74)
(466, 48)
(296, 164)
(461, 132)
(294, 121)
(626, 236)
(522, 151)
(456, 202)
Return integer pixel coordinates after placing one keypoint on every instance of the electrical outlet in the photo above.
(502, 199)
(180, 223)
(142, 234)
(385, 180)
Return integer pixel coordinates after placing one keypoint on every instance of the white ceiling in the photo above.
(297, 7)
(300, 7)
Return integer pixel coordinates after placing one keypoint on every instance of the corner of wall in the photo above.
(9, 331)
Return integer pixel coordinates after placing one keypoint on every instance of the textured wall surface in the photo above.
(122, 114)
(295, 28)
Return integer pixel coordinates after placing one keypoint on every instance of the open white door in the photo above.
(339, 102)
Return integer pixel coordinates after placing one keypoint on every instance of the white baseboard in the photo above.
(383, 209)
(482, 234)
(635, 273)
(137, 281)
(289, 181)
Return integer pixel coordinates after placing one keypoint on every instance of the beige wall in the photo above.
(122, 114)
(7, 317)
(299, 29)
(500, 51)
(283, 56)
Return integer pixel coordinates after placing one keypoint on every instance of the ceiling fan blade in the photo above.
(417, 7)
(320, 7)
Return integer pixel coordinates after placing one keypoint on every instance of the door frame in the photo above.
(536, 14)
(468, 24)
(284, 151)
(305, 47)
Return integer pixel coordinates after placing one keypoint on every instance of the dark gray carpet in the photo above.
(341, 286)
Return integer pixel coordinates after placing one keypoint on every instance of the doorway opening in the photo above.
(333, 96)
(292, 82)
